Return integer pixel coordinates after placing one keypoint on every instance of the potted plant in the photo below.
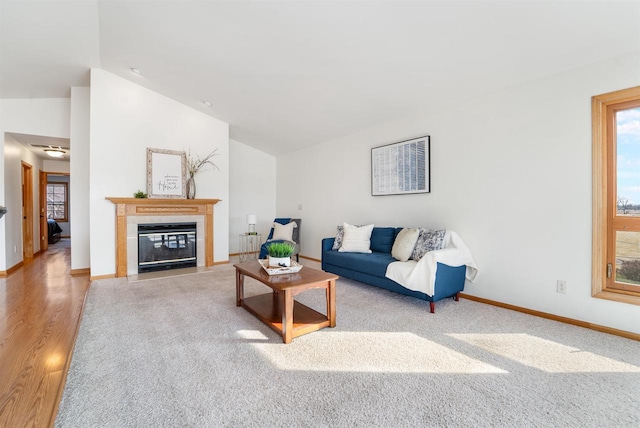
(280, 253)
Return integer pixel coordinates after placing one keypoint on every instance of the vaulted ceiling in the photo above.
(286, 75)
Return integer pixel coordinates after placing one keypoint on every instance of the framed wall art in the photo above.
(401, 168)
(166, 173)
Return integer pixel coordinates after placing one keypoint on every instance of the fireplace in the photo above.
(130, 212)
(163, 246)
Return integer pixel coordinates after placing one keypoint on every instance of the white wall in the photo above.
(252, 190)
(56, 166)
(126, 119)
(3, 239)
(38, 116)
(511, 173)
(79, 164)
(46, 117)
(14, 154)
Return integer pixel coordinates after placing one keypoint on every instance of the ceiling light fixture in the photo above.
(207, 103)
(136, 71)
(54, 153)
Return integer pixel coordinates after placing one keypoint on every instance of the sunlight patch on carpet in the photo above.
(546, 355)
(371, 352)
(252, 334)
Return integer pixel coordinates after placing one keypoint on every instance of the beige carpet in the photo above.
(178, 352)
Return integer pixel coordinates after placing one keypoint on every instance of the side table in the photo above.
(249, 246)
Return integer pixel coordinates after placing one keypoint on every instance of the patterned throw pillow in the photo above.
(337, 243)
(428, 240)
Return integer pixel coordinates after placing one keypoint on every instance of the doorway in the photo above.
(54, 209)
(44, 240)
(27, 211)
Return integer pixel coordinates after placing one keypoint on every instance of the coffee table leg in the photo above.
(239, 288)
(287, 316)
(331, 303)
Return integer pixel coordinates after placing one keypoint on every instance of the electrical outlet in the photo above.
(299, 207)
(15, 249)
(561, 286)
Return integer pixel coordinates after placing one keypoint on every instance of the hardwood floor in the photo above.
(40, 308)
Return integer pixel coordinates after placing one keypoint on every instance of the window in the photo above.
(616, 196)
(57, 205)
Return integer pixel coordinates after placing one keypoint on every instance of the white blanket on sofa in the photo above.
(421, 275)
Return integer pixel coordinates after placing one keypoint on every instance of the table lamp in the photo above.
(252, 219)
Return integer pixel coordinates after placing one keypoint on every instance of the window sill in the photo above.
(619, 296)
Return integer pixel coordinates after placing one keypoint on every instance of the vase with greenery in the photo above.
(195, 164)
(280, 253)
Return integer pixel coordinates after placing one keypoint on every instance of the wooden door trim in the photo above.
(44, 234)
(27, 211)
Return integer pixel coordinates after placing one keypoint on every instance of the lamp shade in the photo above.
(252, 219)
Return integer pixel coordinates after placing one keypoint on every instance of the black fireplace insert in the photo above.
(164, 246)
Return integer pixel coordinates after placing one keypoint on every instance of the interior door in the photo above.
(44, 228)
(27, 211)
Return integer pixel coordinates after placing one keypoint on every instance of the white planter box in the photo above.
(279, 261)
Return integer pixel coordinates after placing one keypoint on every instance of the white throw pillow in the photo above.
(356, 239)
(404, 244)
(283, 231)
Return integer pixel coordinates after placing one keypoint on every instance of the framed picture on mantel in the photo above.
(166, 173)
(401, 168)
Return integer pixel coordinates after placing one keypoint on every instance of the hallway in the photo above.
(40, 308)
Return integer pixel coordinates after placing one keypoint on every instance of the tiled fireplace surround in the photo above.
(130, 212)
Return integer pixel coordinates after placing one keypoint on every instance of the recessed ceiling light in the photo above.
(207, 103)
(136, 71)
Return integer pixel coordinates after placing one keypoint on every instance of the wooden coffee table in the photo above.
(278, 309)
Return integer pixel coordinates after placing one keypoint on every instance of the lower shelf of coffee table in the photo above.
(267, 308)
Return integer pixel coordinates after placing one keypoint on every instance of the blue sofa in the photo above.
(371, 268)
